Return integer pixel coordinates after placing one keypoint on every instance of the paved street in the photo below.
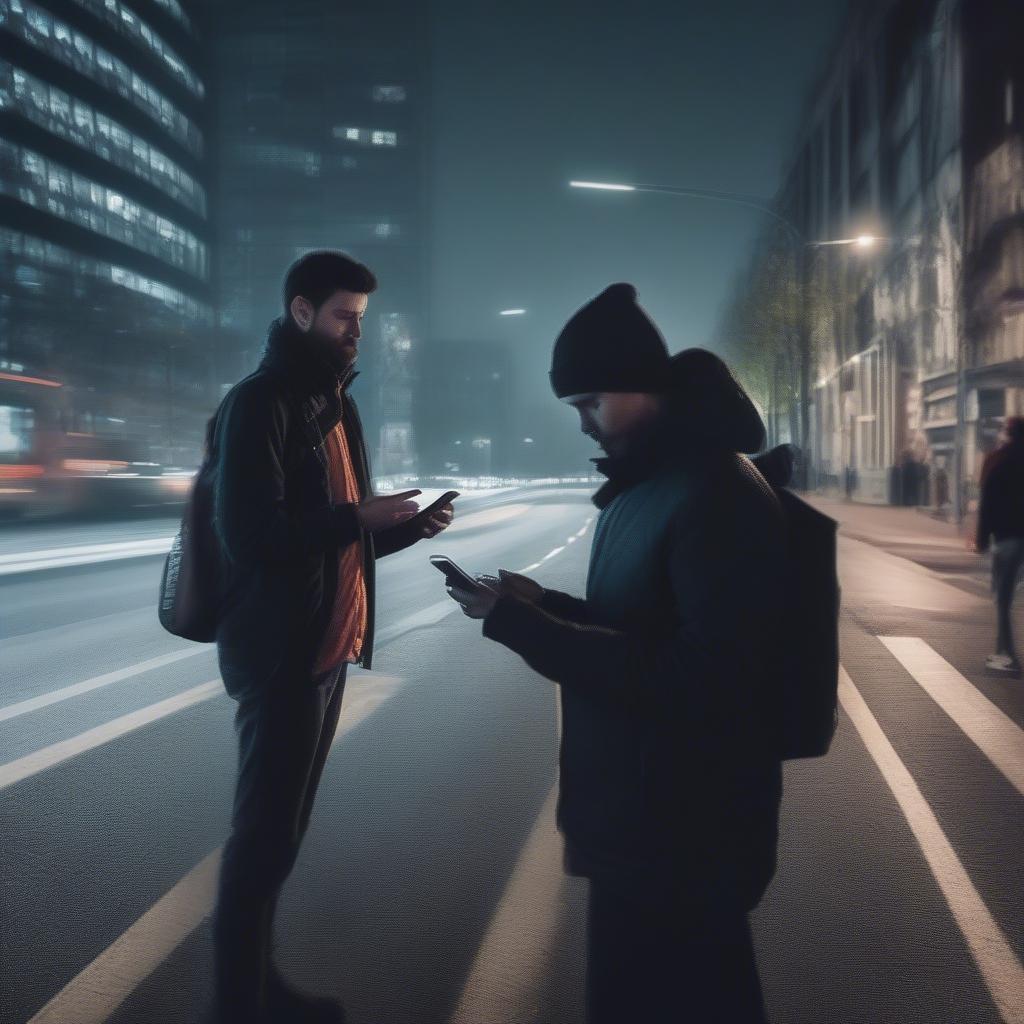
(430, 886)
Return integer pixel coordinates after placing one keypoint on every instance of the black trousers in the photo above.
(653, 957)
(284, 737)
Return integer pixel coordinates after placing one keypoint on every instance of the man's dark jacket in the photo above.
(278, 525)
(668, 764)
(1001, 512)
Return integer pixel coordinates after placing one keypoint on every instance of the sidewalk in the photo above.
(889, 524)
(909, 533)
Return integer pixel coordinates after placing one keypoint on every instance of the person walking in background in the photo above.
(670, 778)
(299, 531)
(1001, 523)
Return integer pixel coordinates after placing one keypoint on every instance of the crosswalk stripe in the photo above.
(995, 734)
(23, 707)
(47, 757)
(96, 992)
(999, 966)
(505, 977)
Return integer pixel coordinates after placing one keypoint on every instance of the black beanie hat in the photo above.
(611, 344)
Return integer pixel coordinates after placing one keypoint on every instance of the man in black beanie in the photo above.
(670, 779)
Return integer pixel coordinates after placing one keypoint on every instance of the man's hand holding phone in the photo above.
(478, 594)
(513, 584)
(387, 510)
(438, 516)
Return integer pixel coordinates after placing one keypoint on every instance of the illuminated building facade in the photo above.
(105, 259)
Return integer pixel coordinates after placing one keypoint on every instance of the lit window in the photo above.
(60, 105)
(384, 139)
(83, 117)
(389, 94)
(39, 20)
(352, 134)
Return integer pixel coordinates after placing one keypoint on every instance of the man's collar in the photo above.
(663, 442)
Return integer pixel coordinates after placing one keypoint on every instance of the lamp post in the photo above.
(801, 245)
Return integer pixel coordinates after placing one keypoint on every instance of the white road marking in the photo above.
(487, 517)
(515, 951)
(40, 760)
(999, 967)
(54, 696)
(995, 734)
(551, 554)
(429, 616)
(82, 554)
(95, 994)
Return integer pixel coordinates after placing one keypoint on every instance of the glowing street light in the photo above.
(512, 312)
(861, 241)
(605, 186)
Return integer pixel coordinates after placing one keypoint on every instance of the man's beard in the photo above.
(338, 355)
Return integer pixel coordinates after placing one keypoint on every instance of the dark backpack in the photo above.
(809, 652)
(190, 587)
(809, 666)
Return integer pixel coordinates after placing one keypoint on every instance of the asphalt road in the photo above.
(430, 886)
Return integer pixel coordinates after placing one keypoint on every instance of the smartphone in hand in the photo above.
(454, 575)
(434, 506)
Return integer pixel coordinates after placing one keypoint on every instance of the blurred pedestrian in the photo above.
(1001, 523)
(670, 780)
(299, 530)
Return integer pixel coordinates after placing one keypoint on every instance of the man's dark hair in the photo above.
(317, 275)
(1015, 428)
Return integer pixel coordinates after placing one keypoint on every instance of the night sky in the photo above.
(528, 95)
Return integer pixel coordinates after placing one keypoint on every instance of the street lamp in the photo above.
(512, 312)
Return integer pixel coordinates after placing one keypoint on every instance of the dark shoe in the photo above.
(288, 1005)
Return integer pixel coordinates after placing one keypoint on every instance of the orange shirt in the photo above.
(346, 629)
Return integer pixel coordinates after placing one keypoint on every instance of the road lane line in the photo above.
(999, 966)
(96, 993)
(551, 554)
(54, 696)
(429, 616)
(515, 952)
(82, 554)
(47, 757)
(995, 734)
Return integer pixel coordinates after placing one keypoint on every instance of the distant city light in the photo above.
(865, 241)
(30, 380)
(606, 186)
(512, 312)
(527, 440)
